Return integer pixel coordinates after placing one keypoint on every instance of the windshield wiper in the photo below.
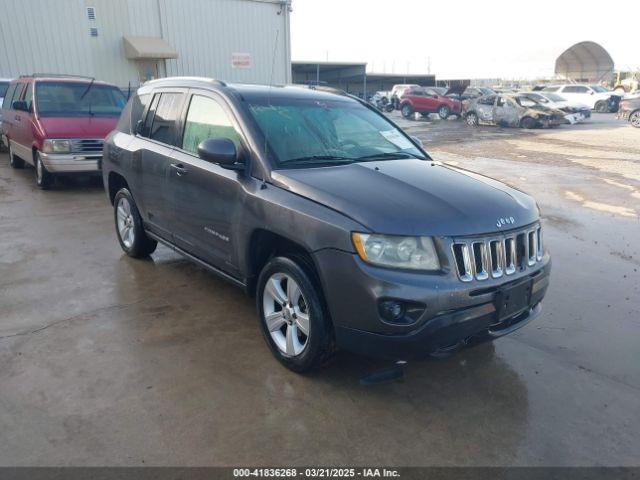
(312, 159)
(388, 156)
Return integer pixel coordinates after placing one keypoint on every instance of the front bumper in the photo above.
(455, 313)
(71, 162)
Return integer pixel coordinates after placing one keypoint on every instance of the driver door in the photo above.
(484, 108)
(505, 112)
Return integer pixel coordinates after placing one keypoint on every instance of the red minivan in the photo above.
(58, 123)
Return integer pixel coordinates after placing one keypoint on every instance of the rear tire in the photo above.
(289, 301)
(528, 123)
(129, 228)
(14, 161)
(634, 119)
(472, 119)
(443, 112)
(44, 179)
(407, 111)
(602, 107)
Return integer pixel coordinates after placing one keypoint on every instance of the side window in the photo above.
(28, 96)
(132, 113)
(6, 103)
(206, 119)
(582, 90)
(17, 93)
(146, 129)
(487, 100)
(502, 102)
(166, 114)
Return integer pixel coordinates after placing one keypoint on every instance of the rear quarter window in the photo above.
(6, 103)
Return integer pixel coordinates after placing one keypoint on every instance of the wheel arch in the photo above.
(115, 183)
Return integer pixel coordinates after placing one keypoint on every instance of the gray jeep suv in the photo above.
(344, 229)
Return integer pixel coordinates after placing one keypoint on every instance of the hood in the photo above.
(455, 90)
(77, 127)
(412, 197)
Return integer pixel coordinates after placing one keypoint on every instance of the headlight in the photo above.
(415, 253)
(56, 146)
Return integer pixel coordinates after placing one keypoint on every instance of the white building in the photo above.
(128, 41)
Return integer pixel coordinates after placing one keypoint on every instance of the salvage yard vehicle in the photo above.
(397, 91)
(596, 97)
(574, 111)
(58, 123)
(630, 110)
(509, 110)
(272, 188)
(426, 100)
(4, 85)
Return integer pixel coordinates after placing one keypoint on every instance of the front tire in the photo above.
(44, 179)
(528, 123)
(292, 315)
(634, 119)
(407, 111)
(14, 161)
(602, 107)
(443, 112)
(472, 119)
(131, 235)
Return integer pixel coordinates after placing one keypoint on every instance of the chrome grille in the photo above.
(87, 145)
(497, 255)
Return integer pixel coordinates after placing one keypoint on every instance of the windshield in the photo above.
(311, 132)
(66, 99)
(486, 91)
(598, 88)
(554, 97)
(439, 90)
(3, 88)
(538, 98)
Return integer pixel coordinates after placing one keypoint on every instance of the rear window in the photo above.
(66, 99)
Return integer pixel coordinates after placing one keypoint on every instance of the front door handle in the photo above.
(179, 168)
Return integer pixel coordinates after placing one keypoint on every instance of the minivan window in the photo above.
(166, 114)
(6, 103)
(78, 99)
(206, 119)
(4, 86)
(28, 96)
(314, 132)
(17, 93)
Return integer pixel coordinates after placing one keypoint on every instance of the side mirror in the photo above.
(417, 140)
(220, 150)
(139, 127)
(20, 105)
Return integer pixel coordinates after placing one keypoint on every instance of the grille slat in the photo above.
(87, 145)
(481, 258)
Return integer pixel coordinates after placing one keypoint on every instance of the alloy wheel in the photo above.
(286, 314)
(635, 119)
(125, 223)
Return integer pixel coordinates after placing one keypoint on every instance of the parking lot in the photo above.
(109, 360)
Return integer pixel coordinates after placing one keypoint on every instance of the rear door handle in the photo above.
(179, 168)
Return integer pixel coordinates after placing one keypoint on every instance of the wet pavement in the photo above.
(106, 360)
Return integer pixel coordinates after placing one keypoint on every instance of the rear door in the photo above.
(152, 149)
(205, 197)
(13, 119)
(7, 110)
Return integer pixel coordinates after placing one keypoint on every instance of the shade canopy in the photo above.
(584, 61)
(141, 48)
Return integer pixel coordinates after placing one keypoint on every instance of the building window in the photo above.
(91, 13)
(93, 32)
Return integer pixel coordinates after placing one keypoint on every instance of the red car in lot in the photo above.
(426, 100)
(58, 123)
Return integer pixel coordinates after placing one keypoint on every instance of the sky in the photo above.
(466, 39)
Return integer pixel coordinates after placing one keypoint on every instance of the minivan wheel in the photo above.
(634, 118)
(131, 235)
(44, 178)
(443, 112)
(14, 161)
(472, 119)
(292, 316)
(406, 110)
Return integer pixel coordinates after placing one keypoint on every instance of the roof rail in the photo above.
(61, 75)
(321, 88)
(219, 83)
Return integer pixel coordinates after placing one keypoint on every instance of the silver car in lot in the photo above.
(512, 110)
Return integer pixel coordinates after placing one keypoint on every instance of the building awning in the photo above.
(141, 48)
